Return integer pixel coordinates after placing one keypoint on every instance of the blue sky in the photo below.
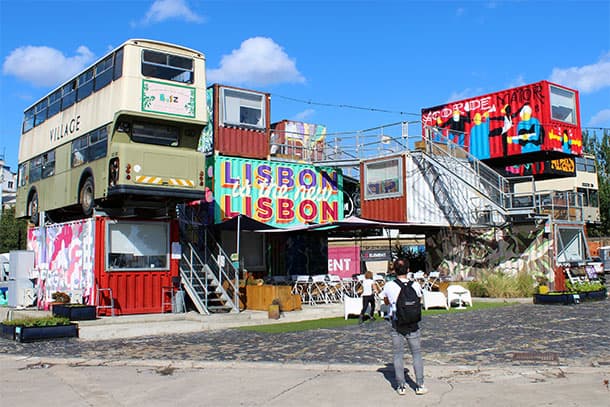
(393, 56)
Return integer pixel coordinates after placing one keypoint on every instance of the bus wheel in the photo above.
(33, 209)
(86, 197)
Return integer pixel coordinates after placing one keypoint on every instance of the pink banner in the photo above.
(344, 261)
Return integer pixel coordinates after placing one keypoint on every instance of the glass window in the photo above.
(54, 103)
(580, 164)
(98, 141)
(35, 169)
(85, 85)
(103, 73)
(28, 120)
(241, 108)
(563, 105)
(165, 66)
(590, 165)
(159, 134)
(21, 177)
(118, 64)
(40, 112)
(137, 245)
(68, 95)
(48, 164)
(79, 151)
(383, 179)
(585, 196)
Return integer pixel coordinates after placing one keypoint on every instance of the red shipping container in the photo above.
(527, 124)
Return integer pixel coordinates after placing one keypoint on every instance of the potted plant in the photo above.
(274, 309)
(32, 329)
(75, 312)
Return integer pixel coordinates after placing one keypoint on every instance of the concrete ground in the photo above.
(519, 355)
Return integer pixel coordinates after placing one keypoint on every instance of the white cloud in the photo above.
(600, 118)
(518, 81)
(45, 66)
(586, 79)
(162, 10)
(258, 61)
(301, 116)
(464, 94)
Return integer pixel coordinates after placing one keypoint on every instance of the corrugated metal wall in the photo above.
(384, 209)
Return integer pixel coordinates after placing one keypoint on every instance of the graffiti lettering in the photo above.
(563, 164)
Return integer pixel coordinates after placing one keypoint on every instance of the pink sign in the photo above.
(344, 261)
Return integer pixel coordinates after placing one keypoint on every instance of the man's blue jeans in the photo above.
(398, 348)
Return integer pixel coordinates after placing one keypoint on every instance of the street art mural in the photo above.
(279, 194)
(526, 120)
(298, 140)
(463, 254)
(206, 140)
(64, 260)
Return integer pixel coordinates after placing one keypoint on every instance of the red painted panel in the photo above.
(134, 292)
(512, 126)
(239, 142)
(385, 209)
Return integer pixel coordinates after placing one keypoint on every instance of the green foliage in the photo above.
(501, 285)
(477, 289)
(599, 145)
(13, 232)
(584, 287)
(38, 321)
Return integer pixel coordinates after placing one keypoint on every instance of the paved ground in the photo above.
(522, 354)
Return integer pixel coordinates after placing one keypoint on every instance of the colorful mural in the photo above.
(561, 167)
(297, 140)
(206, 140)
(64, 259)
(279, 194)
(462, 254)
(510, 122)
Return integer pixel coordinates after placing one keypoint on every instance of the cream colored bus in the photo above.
(122, 135)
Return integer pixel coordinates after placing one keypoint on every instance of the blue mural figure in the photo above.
(457, 125)
(530, 134)
(479, 136)
(501, 133)
(566, 142)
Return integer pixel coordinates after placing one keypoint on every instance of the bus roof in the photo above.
(133, 41)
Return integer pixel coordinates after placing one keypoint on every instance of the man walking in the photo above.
(409, 332)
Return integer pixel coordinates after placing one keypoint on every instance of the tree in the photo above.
(12, 232)
(600, 147)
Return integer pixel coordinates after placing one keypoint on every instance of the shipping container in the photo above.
(527, 124)
(94, 260)
(239, 122)
(298, 141)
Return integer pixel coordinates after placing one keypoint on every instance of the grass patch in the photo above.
(337, 322)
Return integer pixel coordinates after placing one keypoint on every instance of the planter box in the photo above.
(35, 333)
(564, 299)
(7, 331)
(75, 312)
(594, 295)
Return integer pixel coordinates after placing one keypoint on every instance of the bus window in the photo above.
(118, 64)
(48, 164)
(68, 95)
(28, 120)
(35, 169)
(169, 67)
(21, 178)
(40, 112)
(79, 151)
(98, 143)
(54, 103)
(155, 134)
(85, 85)
(103, 73)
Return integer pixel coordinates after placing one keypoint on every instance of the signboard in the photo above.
(344, 261)
(170, 99)
(376, 255)
(279, 194)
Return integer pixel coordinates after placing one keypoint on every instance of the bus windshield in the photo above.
(150, 133)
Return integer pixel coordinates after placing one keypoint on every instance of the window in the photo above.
(118, 64)
(150, 133)
(40, 112)
(21, 177)
(585, 196)
(241, 108)
(563, 105)
(166, 66)
(85, 85)
(79, 151)
(28, 120)
(68, 95)
(137, 246)
(48, 164)
(103, 73)
(54, 103)
(90, 147)
(383, 179)
(594, 198)
(35, 169)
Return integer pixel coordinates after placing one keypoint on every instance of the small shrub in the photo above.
(38, 321)
(477, 289)
(61, 297)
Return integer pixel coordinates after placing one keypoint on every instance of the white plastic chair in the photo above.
(351, 305)
(434, 299)
(458, 294)
(432, 280)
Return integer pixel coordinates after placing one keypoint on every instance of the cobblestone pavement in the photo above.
(576, 335)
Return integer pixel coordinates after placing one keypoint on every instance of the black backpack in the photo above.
(408, 308)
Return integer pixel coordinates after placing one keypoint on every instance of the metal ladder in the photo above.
(99, 296)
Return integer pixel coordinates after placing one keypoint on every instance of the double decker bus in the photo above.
(122, 134)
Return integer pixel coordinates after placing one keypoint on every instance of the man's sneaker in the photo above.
(402, 389)
(421, 390)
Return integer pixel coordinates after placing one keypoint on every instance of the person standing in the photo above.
(369, 289)
(410, 334)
